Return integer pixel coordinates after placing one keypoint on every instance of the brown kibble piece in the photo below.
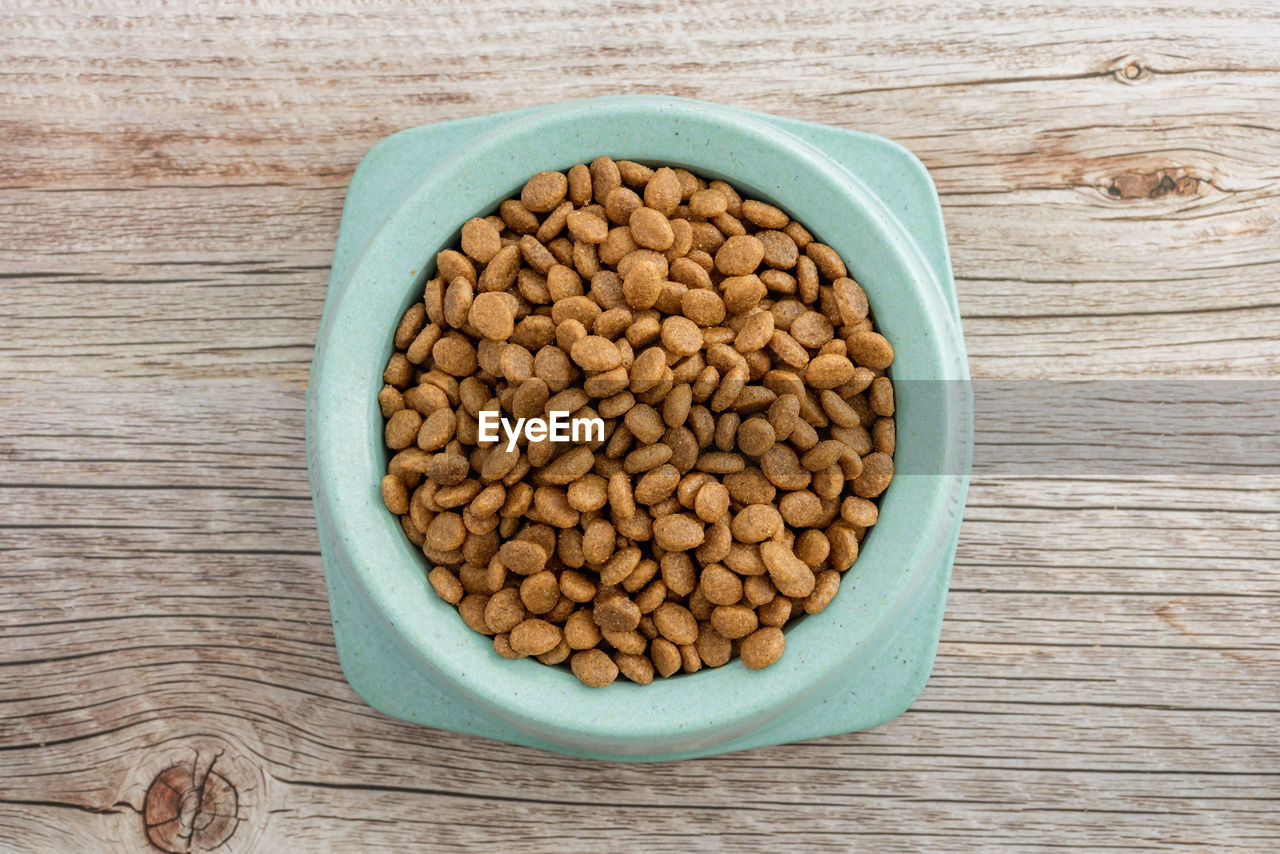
(524, 557)
(681, 336)
(493, 315)
(651, 229)
(827, 260)
(850, 299)
(395, 494)
(756, 522)
(824, 590)
(762, 647)
(480, 240)
(635, 667)
(604, 178)
(587, 227)
(446, 585)
(471, 609)
(880, 397)
(676, 623)
(764, 215)
(540, 592)
(828, 371)
(720, 586)
(708, 203)
(581, 631)
(663, 192)
(594, 667)
(714, 649)
(734, 621)
(870, 349)
(534, 637)
(811, 329)
(402, 429)
(410, 325)
(801, 509)
(642, 284)
(665, 656)
(617, 614)
(455, 355)
(504, 610)
(740, 255)
(789, 574)
(594, 353)
(756, 436)
(755, 332)
(877, 471)
(678, 532)
(711, 502)
(544, 191)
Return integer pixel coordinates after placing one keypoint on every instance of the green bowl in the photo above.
(861, 661)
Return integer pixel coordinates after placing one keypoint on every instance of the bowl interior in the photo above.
(760, 161)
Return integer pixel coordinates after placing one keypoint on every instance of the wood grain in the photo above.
(171, 186)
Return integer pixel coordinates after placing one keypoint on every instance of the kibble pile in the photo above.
(748, 423)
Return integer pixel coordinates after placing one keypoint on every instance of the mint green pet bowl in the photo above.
(860, 662)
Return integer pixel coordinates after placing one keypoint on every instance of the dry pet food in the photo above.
(638, 423)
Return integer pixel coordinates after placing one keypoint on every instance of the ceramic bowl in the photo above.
(861, 660)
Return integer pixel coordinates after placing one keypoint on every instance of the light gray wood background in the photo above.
(171, 185)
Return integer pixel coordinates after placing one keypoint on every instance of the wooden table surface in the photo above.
(171, 186)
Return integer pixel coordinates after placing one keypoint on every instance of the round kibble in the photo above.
(523, 556)
(762, 647)
(756, 436)
(594, 667)
(651, 229)
(636, 668)
(504, 610)
(617, 614)
(480, 240)
(714, 649)
(544, 191)
(824, 590)
(740, 255)
(540, 592)
(734, 621)
(748, 423)
(764, 215)
(827, 260)
(711, 501)
(756, 522)
(676, 623)
(708, 203)
(720, 586)
(401, 429)
(534, 637)
(663, 192)
(877, 472)
(493, 315)
(678, 532)
(681, 336)
(446, 585)
(395, 494)
(594, 353)
(801, 509)
(870, 349)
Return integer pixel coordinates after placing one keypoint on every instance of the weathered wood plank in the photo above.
(171, 188)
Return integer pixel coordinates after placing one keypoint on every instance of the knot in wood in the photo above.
(1131, 70)
(187, 811)
(1153, 185)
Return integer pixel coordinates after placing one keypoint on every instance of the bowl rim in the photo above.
(550, 703)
